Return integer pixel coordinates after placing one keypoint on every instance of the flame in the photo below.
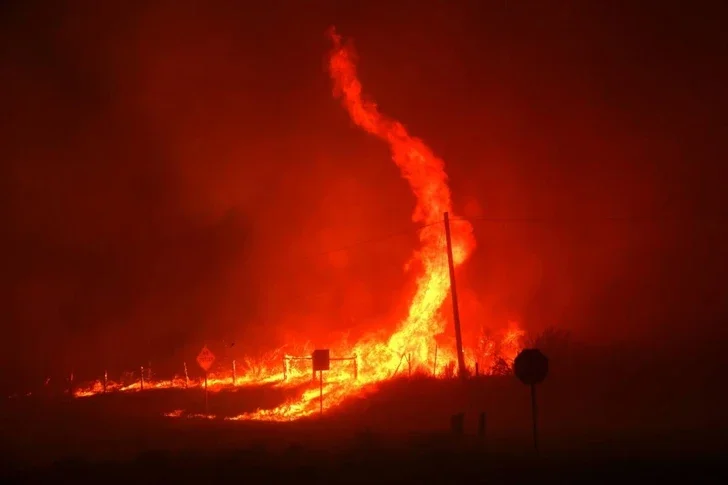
(425, 172)
(412, 347)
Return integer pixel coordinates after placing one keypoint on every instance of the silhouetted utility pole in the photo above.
(455, 309)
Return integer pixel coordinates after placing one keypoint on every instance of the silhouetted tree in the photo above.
(554, 342)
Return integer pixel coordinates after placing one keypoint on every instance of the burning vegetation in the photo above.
(414, 346)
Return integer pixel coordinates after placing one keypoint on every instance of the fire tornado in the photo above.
(425, 172)
(413, 342)
(426, 175)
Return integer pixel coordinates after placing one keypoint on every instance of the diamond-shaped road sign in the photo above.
(205, 359)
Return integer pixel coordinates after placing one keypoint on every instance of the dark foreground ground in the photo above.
(225, 453)
(631, 430)
(428, 462)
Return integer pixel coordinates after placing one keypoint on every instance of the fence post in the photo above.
(434, 366)
(482, 422)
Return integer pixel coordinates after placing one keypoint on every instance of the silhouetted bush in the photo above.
(500, 368)
(449, 371)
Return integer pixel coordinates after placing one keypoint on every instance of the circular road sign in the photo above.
(531, 366)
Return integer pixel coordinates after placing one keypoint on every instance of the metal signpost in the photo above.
(532, 367)
(321, 360)
(205, 360)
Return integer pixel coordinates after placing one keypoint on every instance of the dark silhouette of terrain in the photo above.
(604, 414)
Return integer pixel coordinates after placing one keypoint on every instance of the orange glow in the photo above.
(412, 346)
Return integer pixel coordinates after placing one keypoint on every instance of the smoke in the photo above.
(176, 172)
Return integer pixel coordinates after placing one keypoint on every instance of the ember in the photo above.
(413, 343)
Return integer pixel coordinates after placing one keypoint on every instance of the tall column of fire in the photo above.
(427, 178)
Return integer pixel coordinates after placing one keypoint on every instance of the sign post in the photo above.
(205, 360)
(532, 367)
(321, 360)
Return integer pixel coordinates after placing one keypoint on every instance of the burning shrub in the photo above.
(496, 351)
(449, 371)
(500, 368)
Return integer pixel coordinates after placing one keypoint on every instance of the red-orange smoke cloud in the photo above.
(380, 357)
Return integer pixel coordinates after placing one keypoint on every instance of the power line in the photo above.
(500, 220)
(593, 219)
(529, 220)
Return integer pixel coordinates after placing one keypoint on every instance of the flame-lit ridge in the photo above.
(412, 347)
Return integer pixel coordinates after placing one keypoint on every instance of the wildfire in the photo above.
(413, 345)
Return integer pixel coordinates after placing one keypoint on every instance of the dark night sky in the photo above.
(174, 172)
